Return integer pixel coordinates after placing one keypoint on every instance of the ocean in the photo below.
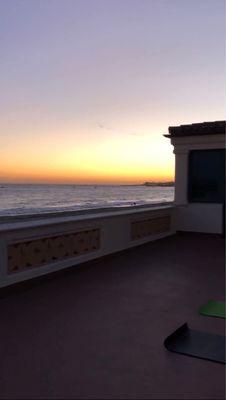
(21, 199)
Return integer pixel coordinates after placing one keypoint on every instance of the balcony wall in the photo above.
(31, 248)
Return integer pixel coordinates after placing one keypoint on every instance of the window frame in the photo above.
(190, 196)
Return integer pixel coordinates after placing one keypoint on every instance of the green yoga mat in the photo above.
(213, 309)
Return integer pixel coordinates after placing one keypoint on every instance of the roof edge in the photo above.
(197, 129)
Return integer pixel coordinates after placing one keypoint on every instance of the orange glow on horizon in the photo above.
(85, 177)
(117, 180)
(113, 160)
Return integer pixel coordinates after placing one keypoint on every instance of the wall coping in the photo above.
(28, 222)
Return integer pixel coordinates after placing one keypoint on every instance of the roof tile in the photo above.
(197, 129)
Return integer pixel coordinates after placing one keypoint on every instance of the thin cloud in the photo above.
(130, 133)
(104, 127)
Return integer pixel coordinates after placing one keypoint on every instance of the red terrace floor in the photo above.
(97, 332)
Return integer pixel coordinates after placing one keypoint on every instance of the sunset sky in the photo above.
(88, 87)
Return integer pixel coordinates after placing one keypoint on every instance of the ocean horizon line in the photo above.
(147, 183)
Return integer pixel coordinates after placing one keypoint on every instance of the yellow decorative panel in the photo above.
(36, 253)
(148, 227)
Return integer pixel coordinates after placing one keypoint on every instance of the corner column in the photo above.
(181, 176)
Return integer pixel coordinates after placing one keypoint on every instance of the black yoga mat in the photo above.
(197, 344)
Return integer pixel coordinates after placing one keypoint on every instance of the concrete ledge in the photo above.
(20, 222)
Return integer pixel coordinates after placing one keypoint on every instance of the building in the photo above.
(199, 176)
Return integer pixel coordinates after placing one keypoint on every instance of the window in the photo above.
(206, 176)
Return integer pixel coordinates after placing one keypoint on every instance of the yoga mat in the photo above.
(197, 344)
(213, 309)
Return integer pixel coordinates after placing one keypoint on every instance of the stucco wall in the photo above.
(32, 248)
(194, 217)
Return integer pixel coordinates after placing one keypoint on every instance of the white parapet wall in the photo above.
(31, 248)
(202, 218)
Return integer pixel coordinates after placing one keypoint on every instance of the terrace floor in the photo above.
(97, 331)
